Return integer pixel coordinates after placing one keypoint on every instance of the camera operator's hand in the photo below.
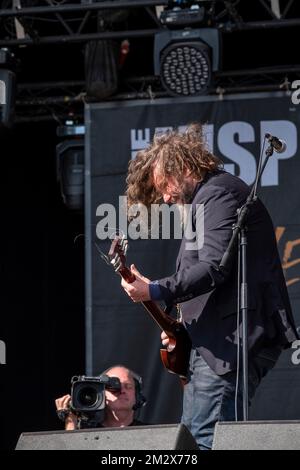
(63, 403)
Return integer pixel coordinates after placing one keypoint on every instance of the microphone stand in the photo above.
(239, 235)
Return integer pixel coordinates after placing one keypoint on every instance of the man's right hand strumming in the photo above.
(164, 339)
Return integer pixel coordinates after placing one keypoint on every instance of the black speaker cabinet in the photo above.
(257, 435)
(162, 437)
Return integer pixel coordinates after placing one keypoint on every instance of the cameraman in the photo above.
(119, 406)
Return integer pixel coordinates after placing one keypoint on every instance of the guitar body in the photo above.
(176, 357)
(177, 360)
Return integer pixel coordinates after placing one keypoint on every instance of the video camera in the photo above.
(88, 393)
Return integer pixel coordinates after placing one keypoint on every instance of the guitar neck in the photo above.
(164, 321)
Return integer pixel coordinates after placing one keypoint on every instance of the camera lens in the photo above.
(88, 396)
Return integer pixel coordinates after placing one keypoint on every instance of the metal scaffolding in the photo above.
(47, 22)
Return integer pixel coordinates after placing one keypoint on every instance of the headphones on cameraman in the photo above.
(140, 399)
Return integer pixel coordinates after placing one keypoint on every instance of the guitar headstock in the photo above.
(117, 253)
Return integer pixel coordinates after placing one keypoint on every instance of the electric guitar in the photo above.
(176, 357)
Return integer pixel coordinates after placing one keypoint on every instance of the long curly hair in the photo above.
(172, 153)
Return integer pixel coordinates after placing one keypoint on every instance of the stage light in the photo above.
(70, 165)
(185, 60)
(178, 14)
(7, 88)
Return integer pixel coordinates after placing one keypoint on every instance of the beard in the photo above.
(186, 194)
(184, 201)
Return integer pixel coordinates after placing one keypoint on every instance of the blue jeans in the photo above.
(209, 397)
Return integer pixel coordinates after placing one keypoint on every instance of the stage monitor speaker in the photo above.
(162, 437)
(257, 435)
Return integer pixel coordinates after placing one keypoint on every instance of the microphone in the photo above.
(278, 145)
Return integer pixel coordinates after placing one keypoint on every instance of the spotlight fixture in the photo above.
(7, 88)
(182, 16)
(186, 59)
(70, 165)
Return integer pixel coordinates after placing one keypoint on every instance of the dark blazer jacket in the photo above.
(208, 297)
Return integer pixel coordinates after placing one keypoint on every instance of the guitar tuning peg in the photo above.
(116, 262)
(120, 239)
(113, 260)
(118, 265)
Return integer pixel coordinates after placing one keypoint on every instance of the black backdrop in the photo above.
(42, 284)
(118, 330)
